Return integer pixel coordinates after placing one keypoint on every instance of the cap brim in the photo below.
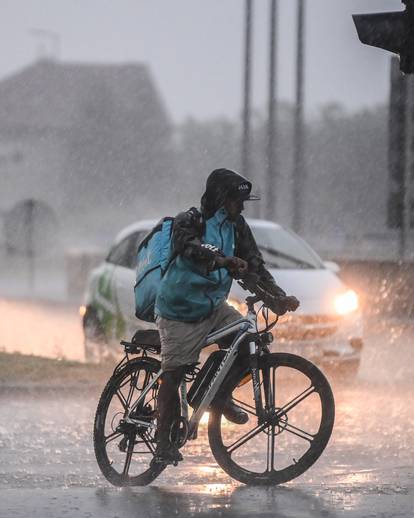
(253, 197)
(249, 197)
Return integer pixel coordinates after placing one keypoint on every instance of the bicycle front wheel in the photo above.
(125, 441)
(294, 430)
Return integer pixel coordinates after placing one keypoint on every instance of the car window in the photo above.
(284, 249)
(125, 252)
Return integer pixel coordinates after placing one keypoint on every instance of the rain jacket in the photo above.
(193, 286)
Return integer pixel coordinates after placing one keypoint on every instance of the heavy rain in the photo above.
(112, 116)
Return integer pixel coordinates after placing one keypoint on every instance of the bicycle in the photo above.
(125, 420)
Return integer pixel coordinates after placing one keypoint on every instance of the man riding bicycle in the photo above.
(210, 247)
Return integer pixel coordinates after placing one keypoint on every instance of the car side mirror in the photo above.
(331, 265)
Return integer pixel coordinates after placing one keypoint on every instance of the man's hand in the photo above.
(291, 303)
(236, 266)
(280, 305)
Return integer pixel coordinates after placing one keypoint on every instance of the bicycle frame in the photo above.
(243, 327)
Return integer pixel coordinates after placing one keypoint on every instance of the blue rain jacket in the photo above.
(189, 291)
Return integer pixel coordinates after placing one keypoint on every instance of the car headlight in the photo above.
(241, 307)
(346, 302)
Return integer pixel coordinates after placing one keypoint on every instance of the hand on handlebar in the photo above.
(281, 304)
(291, 303)
(272, 296)
(236, 266)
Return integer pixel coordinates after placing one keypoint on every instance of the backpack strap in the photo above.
(198, 219)
(157, 228)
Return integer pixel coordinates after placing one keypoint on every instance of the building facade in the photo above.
(90, 143)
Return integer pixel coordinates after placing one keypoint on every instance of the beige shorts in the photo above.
(181, 342)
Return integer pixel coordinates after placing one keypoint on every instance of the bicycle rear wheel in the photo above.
(124, 450)
(296, 427)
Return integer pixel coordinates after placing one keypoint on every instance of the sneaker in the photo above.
(166, 455)
(234, 413)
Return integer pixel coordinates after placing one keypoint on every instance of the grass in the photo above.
(24, 370)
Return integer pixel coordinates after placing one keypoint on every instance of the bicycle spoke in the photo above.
(112, 436)
(122, 399)
(297, 431)
(143, 442)
(267, 388)
(148, 442)
(132, 387)
(246, 437)
(270, 462)
(244, 406)
(295, 401)
(129, 453)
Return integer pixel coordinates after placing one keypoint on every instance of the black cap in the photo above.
(223, 183)
(242, 191)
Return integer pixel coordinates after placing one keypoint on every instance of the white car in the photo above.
(327, 327)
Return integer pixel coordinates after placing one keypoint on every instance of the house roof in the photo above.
(54, 95)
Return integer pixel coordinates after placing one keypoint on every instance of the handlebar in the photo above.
(277, 304)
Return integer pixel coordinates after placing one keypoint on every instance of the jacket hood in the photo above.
(220, 184)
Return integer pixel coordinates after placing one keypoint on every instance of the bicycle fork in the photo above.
(254, 368)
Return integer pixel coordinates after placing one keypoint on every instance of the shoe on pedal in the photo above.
(234, 413)
(166, 455)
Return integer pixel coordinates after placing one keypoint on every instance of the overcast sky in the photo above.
(194, 48)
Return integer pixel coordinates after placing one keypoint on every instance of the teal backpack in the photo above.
(154, 255)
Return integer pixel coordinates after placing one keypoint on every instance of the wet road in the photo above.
(48, 469)
(47, 465)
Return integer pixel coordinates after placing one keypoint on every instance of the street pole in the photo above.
(29, 225)
(271, 169)
(408, 169)
(246, 160)
(298, 158)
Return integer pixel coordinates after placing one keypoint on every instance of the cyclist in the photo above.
(210, 247)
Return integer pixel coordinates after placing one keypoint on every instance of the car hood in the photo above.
(316, 289)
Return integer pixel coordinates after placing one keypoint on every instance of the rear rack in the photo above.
(131, 348)
(145, 340)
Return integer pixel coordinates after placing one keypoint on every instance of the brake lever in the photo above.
(274, 303)
(251, 301)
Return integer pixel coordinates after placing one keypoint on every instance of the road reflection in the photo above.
(214, 500)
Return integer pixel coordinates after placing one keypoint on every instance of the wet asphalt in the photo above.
(48, 468)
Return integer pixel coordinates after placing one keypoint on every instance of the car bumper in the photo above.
(329, 339)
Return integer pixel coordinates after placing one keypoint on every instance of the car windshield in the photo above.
(283, 249)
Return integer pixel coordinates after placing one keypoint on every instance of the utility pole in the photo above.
(298, 158)
(246, 142)
(271, 169)
(397, 149)
(28, 222)
(408, 169)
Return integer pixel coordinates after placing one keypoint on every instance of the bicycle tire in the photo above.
(108, 450)
(220, 432)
